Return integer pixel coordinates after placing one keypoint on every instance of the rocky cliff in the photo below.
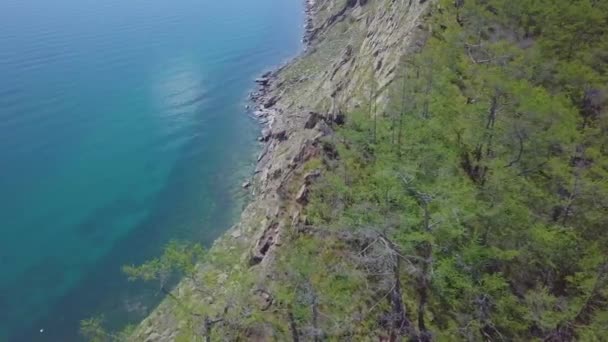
(352, 45)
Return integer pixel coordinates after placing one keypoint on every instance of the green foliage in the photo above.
(177, 257)
(92, 330)
(490, 160)
(182, 259)
(320, 287)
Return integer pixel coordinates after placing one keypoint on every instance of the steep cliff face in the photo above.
(351, 44)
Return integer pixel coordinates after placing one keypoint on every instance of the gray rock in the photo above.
(271, 101)
(153, 337)
(311, 176)
(312, 120)
(262, 81)
(266, 134)
(302, 196)
(280, 135)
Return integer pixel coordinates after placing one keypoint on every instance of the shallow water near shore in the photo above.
(122, 126)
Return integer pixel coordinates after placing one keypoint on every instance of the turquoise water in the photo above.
(121, 127)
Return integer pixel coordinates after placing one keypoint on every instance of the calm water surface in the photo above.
(121, 127)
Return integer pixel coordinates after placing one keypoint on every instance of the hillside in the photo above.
(432, 170)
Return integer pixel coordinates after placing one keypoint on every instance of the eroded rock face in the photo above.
(310, 177)
(263, 81)
(355, 41)
(280, 135)
(294, 135)
(264, 243)
(303, 192)
(312, 120)
(302, 196)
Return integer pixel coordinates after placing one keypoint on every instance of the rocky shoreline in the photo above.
(261, 101)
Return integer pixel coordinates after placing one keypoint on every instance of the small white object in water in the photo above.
(41, 331)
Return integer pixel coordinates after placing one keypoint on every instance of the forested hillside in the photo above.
(460, 196)
(474, 207)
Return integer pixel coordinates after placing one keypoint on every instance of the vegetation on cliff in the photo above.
(475, 206)
(472, 206)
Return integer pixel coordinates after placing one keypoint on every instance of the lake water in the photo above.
(122, 126)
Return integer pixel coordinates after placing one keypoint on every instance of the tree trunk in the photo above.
(315, 315)
(401, 325)
(425, 253)
(293, 327)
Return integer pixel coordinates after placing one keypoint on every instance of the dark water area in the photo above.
(122, 126)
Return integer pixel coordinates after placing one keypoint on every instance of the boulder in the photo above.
(262, 81)
(266, 134)
(271, 102)
(280, 135)
(339, 118)
(260, 113)
(302, 196)
(153, 337)
(311, 176)
(312, 120)
(276, 173)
